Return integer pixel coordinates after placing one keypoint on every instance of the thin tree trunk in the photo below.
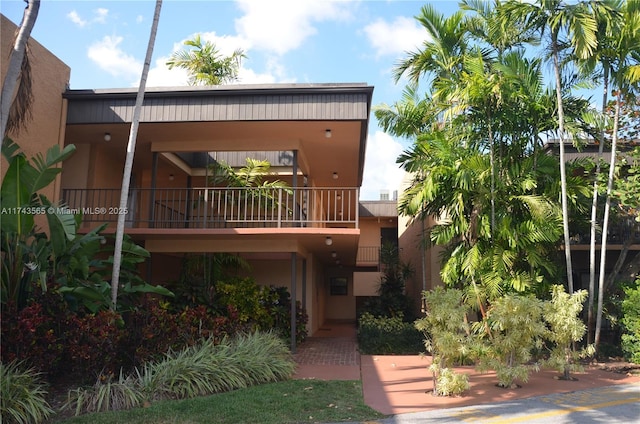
(594, 216)
(15, 62)
(605, 221)
(563, 170)
(131, 148)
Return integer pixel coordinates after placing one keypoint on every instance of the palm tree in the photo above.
(578, 23)
(128, 165)
(205, 64)
(625, 74)
(442, 53)
(599, 65)
(409, 117)
(18, 74)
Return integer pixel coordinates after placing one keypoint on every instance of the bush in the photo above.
(32, 336)
(566, 328)
(203, 369)
(93, 343)
(385, 335)
(446, 337)
(262, 308)
(631, 323)
(22, 395)
(512, 330)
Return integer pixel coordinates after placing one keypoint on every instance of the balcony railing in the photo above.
(220, 207)
(368, 255)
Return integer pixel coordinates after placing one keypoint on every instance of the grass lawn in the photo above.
(293, 401)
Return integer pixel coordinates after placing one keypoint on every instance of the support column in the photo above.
(297, 213)
(304, 283)
(294, 274)
(152, 197)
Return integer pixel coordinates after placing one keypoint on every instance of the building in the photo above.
(314, 237)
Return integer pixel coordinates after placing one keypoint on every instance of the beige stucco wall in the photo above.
(50, 77)
(427, 272)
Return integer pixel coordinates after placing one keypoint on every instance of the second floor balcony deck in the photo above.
(219, 207)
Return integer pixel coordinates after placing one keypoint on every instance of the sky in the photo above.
(295, 41)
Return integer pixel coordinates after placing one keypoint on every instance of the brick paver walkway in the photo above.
(328, 351)
(333, 344)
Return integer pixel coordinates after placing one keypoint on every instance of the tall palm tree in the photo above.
(598, 66)
(205, 64)
(18, 74)
(559, 19)
(131, 149)
(442, 52)
(625, 75)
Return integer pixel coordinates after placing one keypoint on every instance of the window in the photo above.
(338, 286)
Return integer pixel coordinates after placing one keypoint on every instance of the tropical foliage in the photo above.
(631, 323)
(206, 368)
(205, 64)
(482, 120)
(22, 395)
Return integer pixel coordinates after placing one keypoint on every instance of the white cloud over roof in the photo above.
(280, 26)
(108, 55)
(393, 38)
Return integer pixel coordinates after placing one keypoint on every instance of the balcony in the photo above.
(219, 207)
(368, 256)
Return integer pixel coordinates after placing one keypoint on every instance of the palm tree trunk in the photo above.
(15, 61)
(563, 170)
(594, 215)
(131, 148)
(605, 220)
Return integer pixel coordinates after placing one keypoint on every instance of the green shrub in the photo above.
(512, 330)
(202, 369)
(106, 395)
(22, 395)
(387, 335)
(562, 314)
(446, 337)
(631, 323)
(451, 383)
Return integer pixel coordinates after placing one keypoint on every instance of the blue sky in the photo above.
(294, 41)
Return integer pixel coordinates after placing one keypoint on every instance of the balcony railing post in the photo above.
(280, 207)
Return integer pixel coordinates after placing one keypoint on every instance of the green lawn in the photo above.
(293, 401)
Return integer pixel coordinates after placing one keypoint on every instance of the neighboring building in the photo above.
(623, 238)
(50, 78)
(315, 238)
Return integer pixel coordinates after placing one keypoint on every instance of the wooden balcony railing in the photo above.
(220, 207)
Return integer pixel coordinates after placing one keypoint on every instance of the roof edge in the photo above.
(224, 90)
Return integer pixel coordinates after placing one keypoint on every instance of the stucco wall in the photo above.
(50, 77)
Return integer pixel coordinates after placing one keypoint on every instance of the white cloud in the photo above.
(109, 57)
(101, 15)
(139, 19)
(380, 170)
(161, 76)
(280, 26)
(395, 38)
(76, 19)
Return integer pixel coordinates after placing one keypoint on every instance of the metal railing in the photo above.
(368, 255)
(220, 207)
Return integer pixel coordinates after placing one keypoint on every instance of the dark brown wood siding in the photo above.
(334, 106)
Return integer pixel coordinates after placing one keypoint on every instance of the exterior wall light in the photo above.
(107, 136)
(335, 175)
(334, 254)
(328, 241)
(327, 133)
